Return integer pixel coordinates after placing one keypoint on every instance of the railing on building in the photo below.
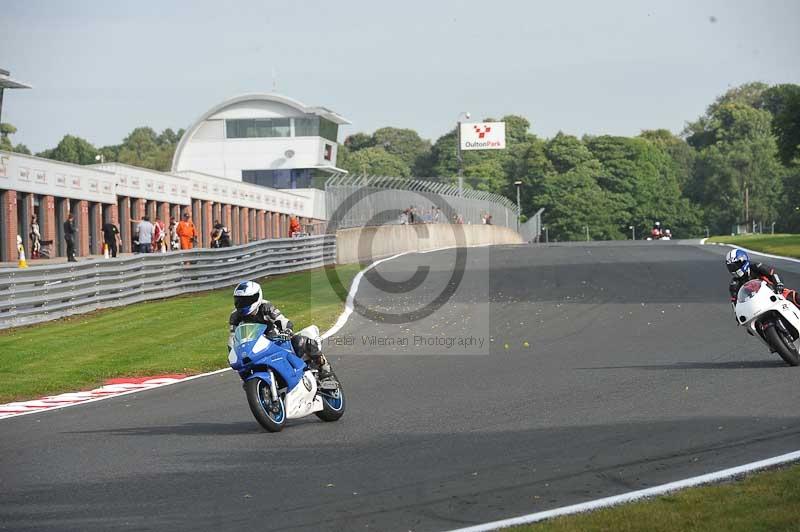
(531, 230)
(358, 201)
(49, 292)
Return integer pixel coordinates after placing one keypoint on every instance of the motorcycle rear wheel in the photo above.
(782, 345)
(270, 416)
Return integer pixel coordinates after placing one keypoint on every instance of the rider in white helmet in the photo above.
(251, 307)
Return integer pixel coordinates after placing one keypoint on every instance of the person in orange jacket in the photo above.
(294, 226)
(186, 232)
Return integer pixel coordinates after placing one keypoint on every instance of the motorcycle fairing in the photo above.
(252, 349)
(303, 399)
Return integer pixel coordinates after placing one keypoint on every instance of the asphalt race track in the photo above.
(604, 368)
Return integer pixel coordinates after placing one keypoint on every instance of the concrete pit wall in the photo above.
(367, 243)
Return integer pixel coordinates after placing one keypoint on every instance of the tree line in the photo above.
(142, 147)
(744, 149)
(737, 163)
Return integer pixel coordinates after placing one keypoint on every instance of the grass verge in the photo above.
(762, 502)
(185, 334)
(785, 245)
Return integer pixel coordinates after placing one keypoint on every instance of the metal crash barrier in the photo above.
(45, 293)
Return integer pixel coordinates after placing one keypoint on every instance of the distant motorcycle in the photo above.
(770, 317)
(278, 383)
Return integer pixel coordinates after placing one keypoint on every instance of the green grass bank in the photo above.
(786, 245)
(765, 501)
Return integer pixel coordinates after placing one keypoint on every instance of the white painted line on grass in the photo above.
(636, 495)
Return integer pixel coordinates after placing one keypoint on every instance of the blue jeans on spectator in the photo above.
(145, 248)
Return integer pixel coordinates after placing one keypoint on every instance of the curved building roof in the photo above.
(228, 108)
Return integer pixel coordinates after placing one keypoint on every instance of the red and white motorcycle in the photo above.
(770, 317)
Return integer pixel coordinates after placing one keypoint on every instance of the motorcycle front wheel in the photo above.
(270, 414)
(332, 403)
(782, 345)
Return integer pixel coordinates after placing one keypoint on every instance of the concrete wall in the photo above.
(386, 240)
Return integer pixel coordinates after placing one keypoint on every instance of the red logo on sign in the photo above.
(482, 130)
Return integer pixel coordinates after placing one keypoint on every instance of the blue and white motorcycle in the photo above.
(279, 384)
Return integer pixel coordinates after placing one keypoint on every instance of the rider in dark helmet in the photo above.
(251, 307)
(742, 270)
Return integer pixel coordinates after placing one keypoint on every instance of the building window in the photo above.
(295, 178)
(328, 130)
(311, 126)
(257, 128)
(306, 127)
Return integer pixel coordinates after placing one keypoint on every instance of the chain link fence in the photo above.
(362, 200)
(531, 230)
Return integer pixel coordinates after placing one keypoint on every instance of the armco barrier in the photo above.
(44, 293)
(366, 243)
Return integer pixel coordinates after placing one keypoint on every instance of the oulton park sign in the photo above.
(483, 136)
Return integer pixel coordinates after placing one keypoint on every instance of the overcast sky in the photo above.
(99, 69)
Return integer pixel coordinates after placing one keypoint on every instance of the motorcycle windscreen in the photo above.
(247, 332)
(748, 290)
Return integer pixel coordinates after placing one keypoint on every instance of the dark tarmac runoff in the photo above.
(543, 376)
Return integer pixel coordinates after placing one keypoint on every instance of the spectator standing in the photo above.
(404, 217)
(186, 232)
(110, 237)
(36, 237)
(146, 231)
(69, 237)
(294, 226)
(225, 237)
(437, 215)
(216, 235)
(174, 241)
(488, 220)
(159, 237)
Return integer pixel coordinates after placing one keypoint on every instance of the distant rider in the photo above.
(251, 307)
(656, 232)
(742, 270)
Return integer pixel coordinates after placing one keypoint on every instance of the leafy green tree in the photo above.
(359, 141)
(703, 131)
(742, 164)
(487, 175)
(783, 102)
(169, 138)
(376, 161)
(72, 149)
(681, 154)
(404, 143)
(528, 163)
(6, 130)
(566, 152)
(574, 201)
(749, 94)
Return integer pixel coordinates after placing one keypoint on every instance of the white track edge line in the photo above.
(340, 322)
(779, 257)
(635, 495)
(351, 295)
